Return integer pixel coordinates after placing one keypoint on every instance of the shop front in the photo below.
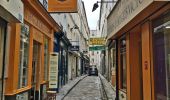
(3, 25)
(63, 60)
(8, 14)
(142, 39)
(30, 45)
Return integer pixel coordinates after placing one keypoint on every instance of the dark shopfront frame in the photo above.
(63, 60)
(61, 45)
(3, 25)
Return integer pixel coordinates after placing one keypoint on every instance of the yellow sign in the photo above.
(97, 41)
(62, 6)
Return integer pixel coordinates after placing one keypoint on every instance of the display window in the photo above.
(24, 56)
(161, 56)
(46, 58)
(123, 63)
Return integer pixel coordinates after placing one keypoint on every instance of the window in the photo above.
(46, 57)
(24, 52)
(161, 56)
(2, 33)
(123, 63)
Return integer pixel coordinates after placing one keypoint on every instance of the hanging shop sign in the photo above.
(124, 13)
(62, 6)
(96, 48)
(97, 41)
(14, 7)
(53, 71)
(74, 48)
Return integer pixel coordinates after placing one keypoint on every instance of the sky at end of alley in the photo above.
(92, 17)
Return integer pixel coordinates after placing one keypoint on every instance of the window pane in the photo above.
(46, 55)
(1, 48)
(123, 63)
(161, 51)
(23, 62)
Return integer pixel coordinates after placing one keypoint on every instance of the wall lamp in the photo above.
(95, 6)
(74, 27)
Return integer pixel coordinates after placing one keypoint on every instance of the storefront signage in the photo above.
(53, 71)
(62, 6)
(96, 48)
(97, 41)
(14, 7)
(124, 13)
(74, 48)
(34, 20)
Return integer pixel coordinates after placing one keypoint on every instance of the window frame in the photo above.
(23, 78)
(122, 52)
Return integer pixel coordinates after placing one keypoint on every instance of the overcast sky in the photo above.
(92, 17)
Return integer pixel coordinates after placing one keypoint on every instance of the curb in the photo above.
(68, 91)
(109, 91)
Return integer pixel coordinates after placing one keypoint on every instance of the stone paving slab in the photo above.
(66, 88)
(87, 89)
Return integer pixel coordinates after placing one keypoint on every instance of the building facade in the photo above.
(30, 42)
(107, 67)
(9, 14)
(76, 31)
(94, 54)
(139, 38)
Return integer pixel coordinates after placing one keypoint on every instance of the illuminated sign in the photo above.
(96, 48)
(97, 41)
(62, 6)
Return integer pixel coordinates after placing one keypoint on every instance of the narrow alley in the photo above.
(87, 89)
(84, 49)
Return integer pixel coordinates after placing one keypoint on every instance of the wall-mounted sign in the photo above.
(97, 41)
(96, 48)
(74, 48)
(62, 6)
(14, 7)
(53, 71)
(124, 13)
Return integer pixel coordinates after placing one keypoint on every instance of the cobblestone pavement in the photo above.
(87, 89)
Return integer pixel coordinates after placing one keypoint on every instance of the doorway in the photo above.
(35, 71)
(3, 25)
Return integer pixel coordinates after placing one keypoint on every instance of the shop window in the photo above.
(113, 65)
(24, 53)
(161, 56)
(46, 57)
(123, 63)
(2, 33)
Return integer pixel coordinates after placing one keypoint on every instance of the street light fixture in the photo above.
(95, 6)
(74, 27)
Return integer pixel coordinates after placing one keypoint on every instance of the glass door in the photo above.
(35, 68)
(161, 56)
(2, 50)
